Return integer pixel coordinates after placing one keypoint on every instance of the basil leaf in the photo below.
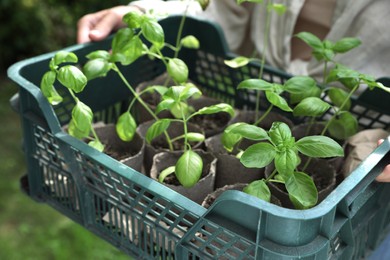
(126, 126)
(189, 168)
(258, 189)
(302, 190)
(72, 78)
(319, 146)
(258, 155)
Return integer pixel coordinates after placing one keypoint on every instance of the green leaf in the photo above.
(48, 90)
(195, 137)
(179, 109)
(300, 85)
(310, 39)
(346, 73)
(159, 89)
(302, 190)
(328, 54)
(237, 62)
(319, 146)
(190, 42)
(153, 32)
(126, 126)
(346, 44)
(313, 92)
(189, 168)
(280, 133)
(343, 126)
(82, 117)
(178, 70)
(222, 107)
(96, 68)
(133, 19)
(130, 52)
(280, 9)
(72, 78)
(204, 3)
(75, 132)
(189, 90)
(311, 106)
(338, 97)
(97, 145)
(165, 173)
(248, 131)
(277, 101)
(165, 104)
(121, 39)
(99, 54)
(256, 84)
(258, 189)
(228, 139)
(285, 162)
(64, 56)
(258, 155)
(157, 128)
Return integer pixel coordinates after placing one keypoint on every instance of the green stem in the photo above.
(264, 115)
(185, 130)
(271, 175)
(332, 118)
(340, 109)
(180, 32)
(178, 38)
(73, 95)
(142, 103)
(94, 134)
(265, 44)
(325, 72)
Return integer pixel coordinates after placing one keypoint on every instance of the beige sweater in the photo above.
(244, 25)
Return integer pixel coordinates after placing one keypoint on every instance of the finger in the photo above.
(105, 26)
(380, 141)
(83, 30)
(86, 24)
(385, 175)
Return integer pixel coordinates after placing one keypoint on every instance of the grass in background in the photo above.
(30, 230)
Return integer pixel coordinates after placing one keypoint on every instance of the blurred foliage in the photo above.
(32, 27)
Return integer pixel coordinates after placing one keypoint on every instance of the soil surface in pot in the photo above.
(212, 121)
(118, 154)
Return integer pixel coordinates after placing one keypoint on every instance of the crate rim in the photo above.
(362, 175)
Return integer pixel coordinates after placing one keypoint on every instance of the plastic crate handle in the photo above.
(366, 184)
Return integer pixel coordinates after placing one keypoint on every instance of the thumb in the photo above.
(104, 27)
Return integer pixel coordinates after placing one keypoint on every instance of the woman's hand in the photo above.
(97, 26)
(385, 175)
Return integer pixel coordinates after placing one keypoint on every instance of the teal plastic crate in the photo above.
(148, 220)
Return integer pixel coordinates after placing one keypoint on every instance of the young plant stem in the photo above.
(332, 118)
(94, 134)
(340, 109)
(139, 99)
(265, 44)
(324, 75)
(180, 32)
(178, 37)
(271, 175)
(184, 129)
(264, 115)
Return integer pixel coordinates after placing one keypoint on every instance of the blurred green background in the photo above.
(29, 230)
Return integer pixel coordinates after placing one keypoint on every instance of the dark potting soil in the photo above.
(118, 154)
(177, 146)
(212, 121)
